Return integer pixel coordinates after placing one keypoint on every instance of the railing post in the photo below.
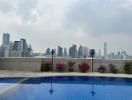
(52, 52)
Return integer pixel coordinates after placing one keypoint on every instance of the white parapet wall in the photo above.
(34, 64)
(20, 64)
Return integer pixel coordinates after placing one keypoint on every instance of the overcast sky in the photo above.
(49, 23)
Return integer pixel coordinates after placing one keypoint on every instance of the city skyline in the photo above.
(68, 46)
(20, 48)
(16, 48)
(100, 50)
(45, 23)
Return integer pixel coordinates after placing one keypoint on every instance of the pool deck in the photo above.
(5, 73)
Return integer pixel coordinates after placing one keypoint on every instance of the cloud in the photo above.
(48, 23)
(6, 6)
(101, 17)
(25, 9)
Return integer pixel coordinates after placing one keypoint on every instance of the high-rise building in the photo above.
(60, 51)
(124, 55)
(2, 51)
(11, 46)
(29, 51)
(48, 52)
(16, 46)
(73, 51)
(6, 39)
(65, 52)
(105, 50)
(80, 55)
(5, 44)
(23, 45)
(118, 56)
(99, 54)
(112, 55)
(84, 52)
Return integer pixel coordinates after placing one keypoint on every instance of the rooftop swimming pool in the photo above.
(66, 88)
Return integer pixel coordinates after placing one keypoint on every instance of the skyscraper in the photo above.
(5, 44)
(65, 52)
(23, 45)
(99, 53)
(84, 52)
(6, 39)
(80, 52)
(73, 51)
(105, 50)
(29, 51)
(60, 51)
(48, 52)
(16, 46)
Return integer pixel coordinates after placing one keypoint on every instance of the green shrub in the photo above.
(128, 67)
(113, 68)
(46, 66)
(102, 69)
(71, 65)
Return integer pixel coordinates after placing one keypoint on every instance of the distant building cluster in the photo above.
(84, 52)
(118, 55)
(22, 49)
(15, 49)
(72, 52)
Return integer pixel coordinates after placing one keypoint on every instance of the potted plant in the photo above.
(128, 67)
(71, 65)
(46, 66)
(113, 68)
(60, 66)
(102, 69)
(84, 67)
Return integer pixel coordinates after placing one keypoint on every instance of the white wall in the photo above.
(20, 64)
(34, 64)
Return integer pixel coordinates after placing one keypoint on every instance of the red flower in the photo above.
(84, 67)
(60, 66)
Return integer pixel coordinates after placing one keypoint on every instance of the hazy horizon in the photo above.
(49, 23)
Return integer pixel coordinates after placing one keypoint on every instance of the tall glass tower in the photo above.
(105, 50)
(6, 39)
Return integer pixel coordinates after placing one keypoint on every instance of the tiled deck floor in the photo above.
(5, 73)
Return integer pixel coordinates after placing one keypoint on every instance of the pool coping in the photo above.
(5, 73)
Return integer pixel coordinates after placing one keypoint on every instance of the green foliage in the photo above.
(102, 69)
(46, 66)
(128, 67)
(71, 65)
(113, 68)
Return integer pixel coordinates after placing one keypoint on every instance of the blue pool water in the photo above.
(69, 88)
(6, 82)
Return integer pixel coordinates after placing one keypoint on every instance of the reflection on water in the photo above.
(51, 87)
(92, 87)
(71, 88)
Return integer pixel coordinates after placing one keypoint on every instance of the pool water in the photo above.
(70, 88)
(6, 82)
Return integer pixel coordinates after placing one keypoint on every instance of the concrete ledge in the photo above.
(48, 74)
